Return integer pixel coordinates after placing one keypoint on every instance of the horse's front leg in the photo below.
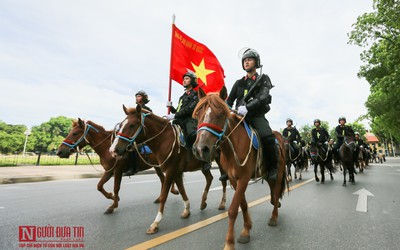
(322, 166)
(161, 176)
(163, 198)
(209, 179)
(247, 223)
(232, 215)
(316, 171)
(186, 203)
(117, 186)
(344, 175)
(223, 199)
(100, 187)
(289, 173)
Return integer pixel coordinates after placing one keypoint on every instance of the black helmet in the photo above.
(192, 76)
(317, 120)
(251, 53)
(289, 120)
(144, 95)
(342, 118)
(356, 133)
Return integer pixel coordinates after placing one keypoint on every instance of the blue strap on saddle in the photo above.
(255, 141)
(145, 150)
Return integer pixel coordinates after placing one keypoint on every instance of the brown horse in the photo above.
(347, 158)
(221, 133)
(89, 133)
(163, 139)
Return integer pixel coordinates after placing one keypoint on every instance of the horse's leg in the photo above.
(240, 187)
(288, 166)
(209, 179)
(223, 200)
(160, 175)
(163, 198)
(179, 182)
(344, 175)
(247, 223)
(322, 166)
(100, 187)
(117, 186)
(316, 171)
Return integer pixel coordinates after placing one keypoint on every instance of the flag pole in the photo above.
(170, 62)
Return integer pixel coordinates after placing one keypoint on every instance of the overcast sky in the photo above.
(85, 59)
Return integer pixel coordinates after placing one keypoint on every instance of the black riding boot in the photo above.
(270, 153)
(132, 163)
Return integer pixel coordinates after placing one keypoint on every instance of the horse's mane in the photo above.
(133, 111)
(99, 127)
(215, 102)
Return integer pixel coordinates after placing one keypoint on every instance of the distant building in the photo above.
(374, 142)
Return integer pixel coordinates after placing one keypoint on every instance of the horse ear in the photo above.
(201, 93)
(125, 109)
(223, 93)
(81, 123)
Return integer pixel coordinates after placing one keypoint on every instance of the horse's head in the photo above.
(131, 131)
(212, 114)
(76, 138)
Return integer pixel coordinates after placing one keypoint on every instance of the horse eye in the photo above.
(74, 134)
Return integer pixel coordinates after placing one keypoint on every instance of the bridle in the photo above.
(132, 140)
(73, 145)
(220, 134)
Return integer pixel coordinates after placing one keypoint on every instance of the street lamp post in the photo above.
(27, 133)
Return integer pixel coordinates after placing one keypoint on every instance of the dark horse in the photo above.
(163, 139)
(89, 133)
(221, 134)
(347, 158)
(298, 160)
(322, 157)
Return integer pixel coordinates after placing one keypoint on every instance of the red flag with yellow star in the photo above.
(188, 54)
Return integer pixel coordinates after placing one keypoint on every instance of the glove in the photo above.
(242, 110)
(170, 116)
(169, 104)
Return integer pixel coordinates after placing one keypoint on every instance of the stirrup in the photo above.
(272, 175)
(224, 177)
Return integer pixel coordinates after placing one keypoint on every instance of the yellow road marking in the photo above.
(180, 232)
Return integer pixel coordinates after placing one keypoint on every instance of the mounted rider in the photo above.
(359, 143)
(182, 115)
(341, 131)
(252, 97)
(319, 135)
(142, 99)
(292, 135)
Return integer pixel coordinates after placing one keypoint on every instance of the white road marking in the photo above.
(362, 202)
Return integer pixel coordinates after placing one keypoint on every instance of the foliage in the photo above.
(379, 31)
(43, 138)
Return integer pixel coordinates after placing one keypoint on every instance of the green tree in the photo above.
(12, 138)
(379, 33)
(49, 135)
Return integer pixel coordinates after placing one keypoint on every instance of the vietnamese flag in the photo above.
(188, 54)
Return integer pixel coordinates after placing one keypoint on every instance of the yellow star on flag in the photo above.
(201, 71)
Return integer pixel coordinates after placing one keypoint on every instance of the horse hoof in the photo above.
(175, 192)
(322, 182)
(157, 200)
(316, 179)
(185, 215)
(272, 222)
(243, 239)
(152, 230)
(109, 211)
(203, 206)
(344, 184)
(300, 178)
(221, 207)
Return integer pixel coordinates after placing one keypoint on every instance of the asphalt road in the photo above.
(312, 216)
